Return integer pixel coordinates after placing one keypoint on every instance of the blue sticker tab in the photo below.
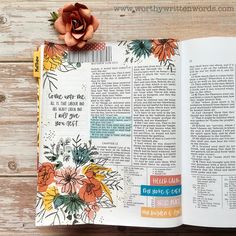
(160, 191)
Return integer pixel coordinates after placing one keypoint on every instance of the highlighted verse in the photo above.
(160, 212)
(160, 191)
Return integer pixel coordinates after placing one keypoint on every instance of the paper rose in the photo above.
(75, 24)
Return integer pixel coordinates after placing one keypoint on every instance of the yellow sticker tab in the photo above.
(36, 65)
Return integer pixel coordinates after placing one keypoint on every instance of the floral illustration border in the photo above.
(74, 184)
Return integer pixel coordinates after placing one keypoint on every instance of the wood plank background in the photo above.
(23, 27)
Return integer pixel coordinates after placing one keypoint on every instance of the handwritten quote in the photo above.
(66, 108)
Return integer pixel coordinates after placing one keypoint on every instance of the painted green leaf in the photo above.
(59, 200)
(58, 165)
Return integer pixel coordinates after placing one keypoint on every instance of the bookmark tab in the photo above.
(36, 65)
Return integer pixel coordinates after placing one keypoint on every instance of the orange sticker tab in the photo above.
(170, 212)
(36, 65)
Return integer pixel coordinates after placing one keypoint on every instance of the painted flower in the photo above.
(51, 63)
(69, 179)
(164, 48)
(52, 50)
(90, 173)
(46, 175)
(75, 24)
(49, 196)
(73, 203)
(141, 48)
(98, 172)
(53, 54)
(91, 189)
(91, 210)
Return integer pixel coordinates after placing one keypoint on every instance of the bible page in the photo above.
(208, 132)
(108, 135)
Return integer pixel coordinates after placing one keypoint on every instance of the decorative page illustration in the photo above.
(108, 134)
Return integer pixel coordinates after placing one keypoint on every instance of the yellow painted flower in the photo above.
(49, 197)
(51, 63)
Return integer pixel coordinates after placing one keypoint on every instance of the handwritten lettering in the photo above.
(67, 108)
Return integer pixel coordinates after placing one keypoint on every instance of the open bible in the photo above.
(137, 133)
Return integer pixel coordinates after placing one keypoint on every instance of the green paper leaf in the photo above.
(54, 17)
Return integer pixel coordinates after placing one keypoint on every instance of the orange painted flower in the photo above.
(46, 174)
(54, 50)
(90, 174)
(164, 48)
(91, 189)
(75, 24)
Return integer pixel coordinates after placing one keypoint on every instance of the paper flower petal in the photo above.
(89, 33)
(95, 23)
(60, 26)
(70, 40)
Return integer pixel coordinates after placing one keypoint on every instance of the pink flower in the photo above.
(91, 211)
(75, 24)
(69, 179)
